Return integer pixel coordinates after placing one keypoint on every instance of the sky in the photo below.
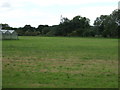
(18, 13)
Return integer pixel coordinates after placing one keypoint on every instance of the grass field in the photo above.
(60, 62)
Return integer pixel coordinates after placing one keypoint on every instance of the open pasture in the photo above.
(60, 62)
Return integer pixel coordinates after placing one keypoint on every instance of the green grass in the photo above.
(60, 62)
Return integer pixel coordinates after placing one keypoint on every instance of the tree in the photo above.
(29, 28)
(40, 27)
(107, 25)
(45, 30)
(116, 18)
(6, 26)
(74, 26)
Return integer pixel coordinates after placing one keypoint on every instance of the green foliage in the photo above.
(107, 25)
(5, 26)
(74, 27)
(45, 30)
(40, 27)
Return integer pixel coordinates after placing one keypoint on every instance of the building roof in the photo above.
(11, 31)
(4, 31)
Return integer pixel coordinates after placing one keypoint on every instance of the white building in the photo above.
(8, 34)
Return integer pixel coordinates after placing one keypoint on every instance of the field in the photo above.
(60, 62)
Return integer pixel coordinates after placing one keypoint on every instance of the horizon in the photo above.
(30, 12)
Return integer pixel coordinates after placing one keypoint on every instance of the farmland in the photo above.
(60, 62)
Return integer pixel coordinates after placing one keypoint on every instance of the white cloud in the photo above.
(61, 2)
(20, 12)
(93, 12)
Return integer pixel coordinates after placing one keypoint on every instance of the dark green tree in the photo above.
(107, 25)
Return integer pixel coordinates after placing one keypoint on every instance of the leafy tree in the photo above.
(73, 27)
(45, 30)
(40, 27)
(6, 26)
(107, 25)
(29, 28)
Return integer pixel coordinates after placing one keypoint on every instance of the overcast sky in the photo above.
(18, 13)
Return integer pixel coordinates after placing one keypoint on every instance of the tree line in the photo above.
(104, 26)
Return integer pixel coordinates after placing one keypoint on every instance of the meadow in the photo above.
(60, 62)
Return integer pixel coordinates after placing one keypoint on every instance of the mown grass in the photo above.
(60, 62)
